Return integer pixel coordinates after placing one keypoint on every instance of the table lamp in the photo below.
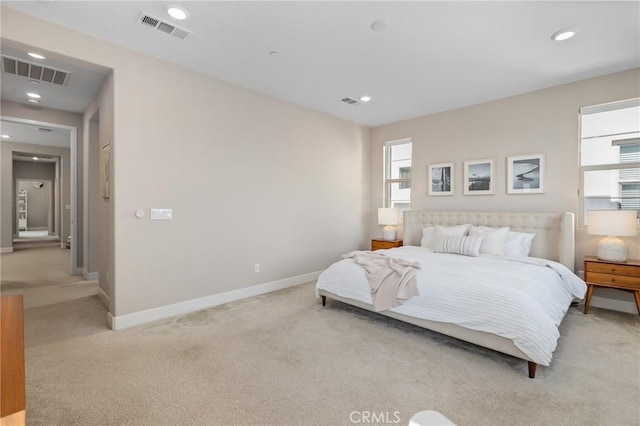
(613, 224)
(388, 217)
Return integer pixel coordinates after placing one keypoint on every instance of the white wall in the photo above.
(544, 121)
(277, 184)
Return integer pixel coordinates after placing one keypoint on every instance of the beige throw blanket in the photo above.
(391, 280)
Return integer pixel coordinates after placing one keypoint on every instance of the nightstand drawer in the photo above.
(620, 275)
(609, 280)
(615, 269)
(382, 244)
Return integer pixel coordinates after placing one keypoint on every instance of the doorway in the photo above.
(64, 204)
(35, 209)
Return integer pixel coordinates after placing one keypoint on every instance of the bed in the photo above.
(531, 294)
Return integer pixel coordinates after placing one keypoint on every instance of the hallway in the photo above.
(58, 306)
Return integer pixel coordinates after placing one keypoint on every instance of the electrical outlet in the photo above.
(256, 268)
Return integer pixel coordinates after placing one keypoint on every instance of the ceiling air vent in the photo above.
(151, 21)
(349, 101)
(34, 71)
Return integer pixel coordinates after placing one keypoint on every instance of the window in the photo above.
(610, 157)
(397, 174)
(405, 173)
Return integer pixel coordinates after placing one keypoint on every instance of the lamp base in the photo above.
(612, 249)
(389, 233)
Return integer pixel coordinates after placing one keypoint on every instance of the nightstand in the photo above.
(378, 244)
(620, 275)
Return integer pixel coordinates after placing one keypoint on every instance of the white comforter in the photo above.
(520, 299)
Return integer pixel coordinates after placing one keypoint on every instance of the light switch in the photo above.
(161, 214)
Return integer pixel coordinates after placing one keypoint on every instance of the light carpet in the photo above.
(283, 359)
(37, 266)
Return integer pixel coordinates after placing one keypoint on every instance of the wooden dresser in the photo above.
(620, 275)
(12, 385)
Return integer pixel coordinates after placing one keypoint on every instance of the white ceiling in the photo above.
(29, 133)
(434, 56)
(82, 84)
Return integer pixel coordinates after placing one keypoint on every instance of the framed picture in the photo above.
(478, 177)
(525, 174)
(105, 165)
(441, 179)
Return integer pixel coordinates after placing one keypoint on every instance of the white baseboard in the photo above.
(6, 249)
(628, 306)
(104, 298)
(90, 276)
(110, 320)
(137, 318)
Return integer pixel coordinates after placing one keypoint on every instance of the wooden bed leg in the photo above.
(324, 300)
(532, 369)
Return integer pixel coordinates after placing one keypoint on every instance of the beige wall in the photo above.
(277, 184)
(98, 224)
(544, 121)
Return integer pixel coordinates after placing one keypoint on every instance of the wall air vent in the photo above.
(34, 71)
(349, 101)
(44, 129)
(151, 21)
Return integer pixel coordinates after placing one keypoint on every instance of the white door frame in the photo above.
(73, 167)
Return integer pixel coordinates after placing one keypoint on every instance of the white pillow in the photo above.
(493, 239)
(468, 246)
(518, 244)
(430, 235)
(427, 236)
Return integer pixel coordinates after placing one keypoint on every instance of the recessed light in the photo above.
(563, 35)
(379, 25)
(33, 101)
(6, 136)
(35, 55)
(177, 12)
(34, 95)
(34, 158)
(365, 98)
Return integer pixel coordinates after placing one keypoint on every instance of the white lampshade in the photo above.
(388, 216)
(615, 223)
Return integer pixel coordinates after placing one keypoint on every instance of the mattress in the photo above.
(523, 300)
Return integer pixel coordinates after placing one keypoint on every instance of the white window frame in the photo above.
(387, 169)
(613, 166)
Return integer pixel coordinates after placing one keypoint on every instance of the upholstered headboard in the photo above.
(554, 231)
